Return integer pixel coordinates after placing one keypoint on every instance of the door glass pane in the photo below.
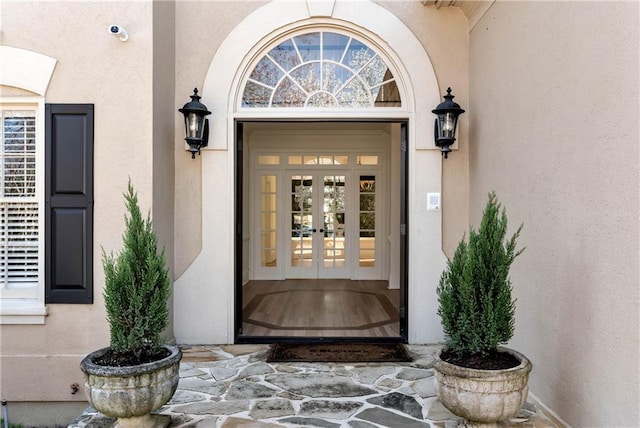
(341, 160)
(268, 160)
(333, 226)
(294, 160)
(325, 160)
(301, 220)
(268, 221)
(269, 202)
(310, 159)
(367, 221)
(367, 160)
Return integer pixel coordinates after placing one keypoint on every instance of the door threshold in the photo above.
(302, 339)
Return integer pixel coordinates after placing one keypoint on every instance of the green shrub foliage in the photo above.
(136, 287)
(474, 293)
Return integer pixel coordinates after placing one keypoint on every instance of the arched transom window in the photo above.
(321, 70)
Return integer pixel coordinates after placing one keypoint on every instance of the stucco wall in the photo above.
(554, 130)
(443, 33)
(439, 30)
(164, 143)
(204, 246)
(195, 27)
(136, 87)
(40, 362)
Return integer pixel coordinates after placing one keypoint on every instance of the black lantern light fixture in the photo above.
(196, 125)
(446, 123)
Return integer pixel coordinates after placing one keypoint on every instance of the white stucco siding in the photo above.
(554, 90)
(222, 86)
(203, 295)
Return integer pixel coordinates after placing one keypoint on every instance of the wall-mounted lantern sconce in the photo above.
(446, 123)
(196, 125)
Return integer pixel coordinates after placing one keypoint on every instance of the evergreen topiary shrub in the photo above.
(474, 293)
(137, 288)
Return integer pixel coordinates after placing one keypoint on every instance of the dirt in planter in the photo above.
(493, 361)
(118, 359)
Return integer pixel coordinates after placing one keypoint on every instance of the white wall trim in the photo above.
(39, 69)
(22, 311)
(320, 7)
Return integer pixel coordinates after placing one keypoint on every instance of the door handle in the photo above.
(314, 230)
(321, 230)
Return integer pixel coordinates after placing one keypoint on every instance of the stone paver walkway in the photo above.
(233, 386)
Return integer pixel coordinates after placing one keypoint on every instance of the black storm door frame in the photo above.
(404, 245)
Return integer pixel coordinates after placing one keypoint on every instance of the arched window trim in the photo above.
(322, 28)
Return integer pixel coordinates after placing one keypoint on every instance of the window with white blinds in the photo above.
(20, 242)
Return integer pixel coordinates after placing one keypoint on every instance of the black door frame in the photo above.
(404, 240)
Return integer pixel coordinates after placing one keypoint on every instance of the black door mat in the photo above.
(338, 353)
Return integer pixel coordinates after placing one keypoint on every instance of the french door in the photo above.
(319, 224)
(318, 213)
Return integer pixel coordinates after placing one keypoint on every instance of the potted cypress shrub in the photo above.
(476, 378)
(137, 373)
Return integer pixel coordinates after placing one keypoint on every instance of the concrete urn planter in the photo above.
(132, 393)
(483, 397)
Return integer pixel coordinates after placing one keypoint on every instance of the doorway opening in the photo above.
(321, 215)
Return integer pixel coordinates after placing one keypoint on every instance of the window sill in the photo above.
(22, 311)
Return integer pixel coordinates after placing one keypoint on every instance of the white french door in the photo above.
(318, 224)
(318, 217)
(318, 214)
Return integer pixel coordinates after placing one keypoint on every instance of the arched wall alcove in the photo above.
(204, 294)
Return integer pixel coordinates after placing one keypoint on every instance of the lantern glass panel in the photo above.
(190, 124)
(194, 125)
(447, 125)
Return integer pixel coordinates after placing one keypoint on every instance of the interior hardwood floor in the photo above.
(320, 308)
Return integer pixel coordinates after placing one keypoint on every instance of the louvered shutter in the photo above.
(69, 203)
(20, 241)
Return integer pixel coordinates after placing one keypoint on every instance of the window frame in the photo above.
(291, 110)
(27, 305)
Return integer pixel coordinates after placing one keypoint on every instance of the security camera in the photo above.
(117, 30)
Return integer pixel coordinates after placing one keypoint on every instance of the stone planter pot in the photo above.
(483, 397)
(132, 393)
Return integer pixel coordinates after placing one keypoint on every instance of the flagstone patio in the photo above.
(234, 386)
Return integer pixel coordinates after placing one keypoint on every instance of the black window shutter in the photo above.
(69, 203)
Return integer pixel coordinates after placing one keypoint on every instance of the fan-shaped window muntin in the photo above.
(321, 70)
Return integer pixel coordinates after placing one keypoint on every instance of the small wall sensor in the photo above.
(117, 30)
(433, 201)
